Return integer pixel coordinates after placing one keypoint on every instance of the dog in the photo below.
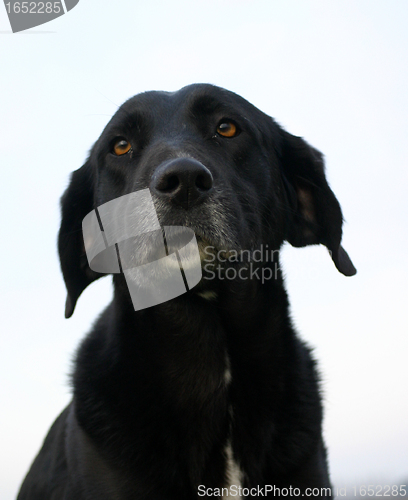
(210, 393)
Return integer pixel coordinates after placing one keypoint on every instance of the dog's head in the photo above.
(214, 163)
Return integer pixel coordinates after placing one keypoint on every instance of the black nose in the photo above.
(183, 181)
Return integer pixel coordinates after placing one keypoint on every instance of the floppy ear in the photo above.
(317, 216)
(76, 202)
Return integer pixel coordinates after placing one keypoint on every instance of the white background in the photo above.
(334, 72)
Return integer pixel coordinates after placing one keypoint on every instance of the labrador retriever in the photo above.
(211, 393)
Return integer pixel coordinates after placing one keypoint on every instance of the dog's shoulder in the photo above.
(48, 475)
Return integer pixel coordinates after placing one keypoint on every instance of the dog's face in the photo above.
(214, 163)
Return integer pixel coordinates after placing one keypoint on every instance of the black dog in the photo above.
(212, 389)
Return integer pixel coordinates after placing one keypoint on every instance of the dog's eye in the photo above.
(227, 129)
(121, 147)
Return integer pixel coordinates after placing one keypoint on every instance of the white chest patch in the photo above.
(234, 474)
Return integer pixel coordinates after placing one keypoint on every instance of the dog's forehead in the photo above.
(192, 98)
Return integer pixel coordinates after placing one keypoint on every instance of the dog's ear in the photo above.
(316, 214)
(76, 203)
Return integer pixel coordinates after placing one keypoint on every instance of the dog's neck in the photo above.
(172, 376)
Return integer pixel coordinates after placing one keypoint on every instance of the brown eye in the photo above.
(121, 147)
(227, 129)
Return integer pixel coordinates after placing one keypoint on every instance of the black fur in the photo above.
(152, 412)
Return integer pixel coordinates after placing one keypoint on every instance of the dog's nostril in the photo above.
(168, 183)
(204, 182)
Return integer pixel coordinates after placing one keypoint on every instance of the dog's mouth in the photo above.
(185, 245)
(154, 245)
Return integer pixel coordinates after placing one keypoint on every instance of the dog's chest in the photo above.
(233, 472)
